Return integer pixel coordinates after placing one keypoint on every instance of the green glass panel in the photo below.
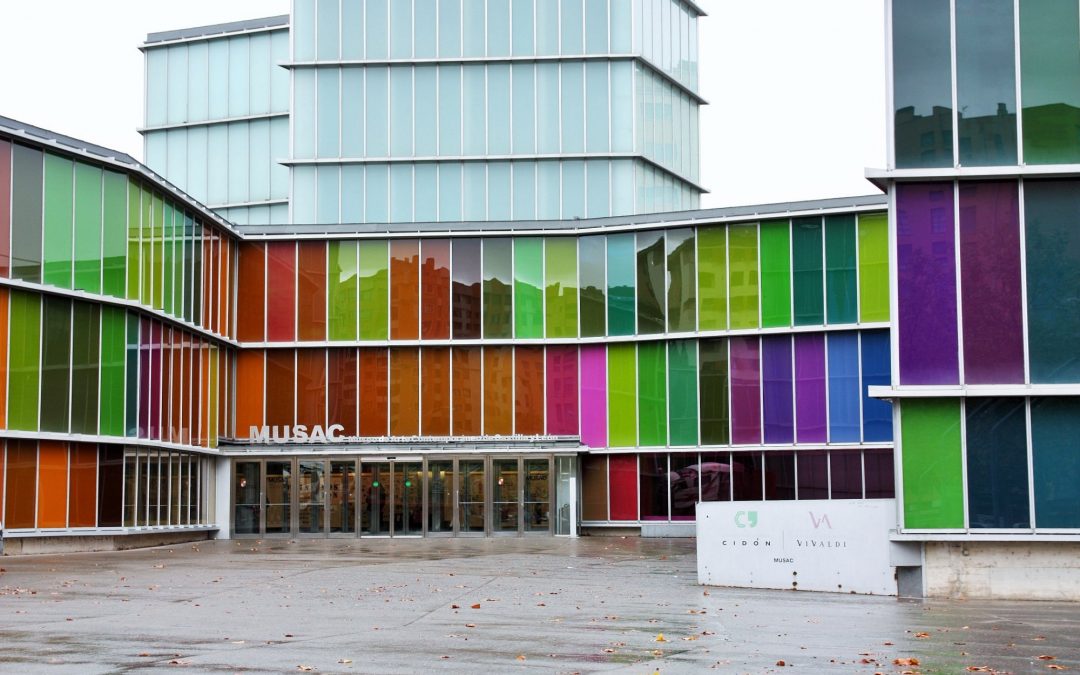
(374, 290)
(159, 252)
(167, 263)
(808, 268)
(341, 289)
(775, 274)
(498, 288)
(933, 471)
(743, 268)
(114, 234)
(24, 355)
(622, 395)
(146, 238)
(560, 286)
(88, 212)
(197, 272)
(592, 254)
(652, 393)
(55, 362)
(134, 246)
(873, 267)
(189, 267)
(681, 281)
(528, 282)
(713, 360)
(26, 213)
(1050, 73)
(112, 371)
(84, 368)
(712, 278)
(620, 283)
(840, 278)
(132, 403)
(56, 245)
(683, 392)
(650, 282)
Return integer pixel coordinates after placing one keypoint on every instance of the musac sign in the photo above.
(301, 433)
(833, 546)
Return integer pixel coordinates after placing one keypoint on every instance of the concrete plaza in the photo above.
(483, 605)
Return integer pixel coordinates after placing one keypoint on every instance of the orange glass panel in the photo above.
(498, 390)
(204, 395)
(529, 390)
(223, 393)
(311, 290)
(468, 391)
(208, 277)
(311, 387)
(224, 286)
(83, 485)
(404, 391)
(20, 494)
(280, 394)
(249, 390)
(404, 290)
(374, 392)
(281, 291)
(185, 385)
(435, 403)
(341, 396)
(251, 287)
(435, 287)
(52, 484)
(3, 365)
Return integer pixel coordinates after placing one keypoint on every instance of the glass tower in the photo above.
(432, 110)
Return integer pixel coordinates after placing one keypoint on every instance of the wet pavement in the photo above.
(597, 604)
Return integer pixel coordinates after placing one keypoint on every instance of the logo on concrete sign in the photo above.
(817, 522)
(746, 519)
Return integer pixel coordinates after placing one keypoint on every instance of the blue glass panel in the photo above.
(377, 109)
(328, 112)
(449, 192)
(524, 190)
(328, 194)
(843, 355)
(401, 193)
(573, 189)
(1055, 448)
(376, 194)
(522, 17)
(425, 178)
(377, 28)
(877, 414)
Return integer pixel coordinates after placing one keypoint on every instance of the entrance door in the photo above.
(441, 487)
(279, 478)
(537, 495)
(342, 497)
(505, 496)
(312, 494)
(408, 499)
(375, 486)
(471, 513)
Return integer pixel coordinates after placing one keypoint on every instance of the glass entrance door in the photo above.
(312, 493)
(342, 497)
(441, 488)
(471, 512)
(408, 499)
(505, 496)
(279, 497)
(537, 495)
(375, 486)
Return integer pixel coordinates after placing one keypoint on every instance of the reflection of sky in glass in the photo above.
(921, 61)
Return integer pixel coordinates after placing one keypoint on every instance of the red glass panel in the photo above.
(280, 372)
(435, 403)
(435, 288)
(498, 390)
(529, 390)
(311, 290)
(83, 485)
(623, 482)
(311, 387)
(374, 392)
(404, 391)
(562, 391)
(404, 290)
(468, 391)
(250, 294)
(281, 291)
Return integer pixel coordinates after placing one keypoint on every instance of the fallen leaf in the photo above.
(344, 660)
(470, 625)
(909, 661)
(1054, 666)
(922, 635)
(978, 669)
(609, 650)
(661, 638)
(475, 605)
(657, 652)
(887, 644)
(1045, 657)
(520, 657)
(781, 663)
(305, 669)
(455, 606)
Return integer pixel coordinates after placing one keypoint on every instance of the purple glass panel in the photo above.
(594, 396)
(880, 476)
(745, 390)
(746, 476)
(144, 378)
(155, 380)
(810, 401)
(776, 381)
(846, 469)
(926, 278)
(562, 391)
(813, 474)
(990, 283)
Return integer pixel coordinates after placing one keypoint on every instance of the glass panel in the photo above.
(88, 233)
(467, 395)
(408, 499)
(58, 221)
(435, 289)
(746, 476)
(248, 499)
(84, 368)
(311, 387)
(561, 375)
(873, 267)
(813, 474)
(498, 294)
(840, 277)
(986, 82)
(1050, 73)
(712, 277)
(471, 498)
(565, 494)
(876, 364)
(922, 83)
(24, 354)
(528, 284)
(311, 290)
(55, 363)
(278, 497)
(404, 290)
(932, 467)
(498, 390)
(342, 290)
(375, 481)
(845, 471)
(404, 391)
(779, 476)
(280, 291)
(594, 487)
(623, 478)
(650, 282)
(374, 273)
(594, 395)
(280, 390)
(250, 300)
(997, 472)
(843, 359)
(879, 472)
(776, 378)
(743, 268)
(652, 394)
(440, 481)
(341, 389)
(591, 274)
(620, 280)
(529, 390)
(622, 395)
(681, 281)
(775, 274)
(926, 277)
(714, 474)
(713, 383)
(374, 392)
(745, 390)
(435, 392)
(1054, 282)
(561, 271)
(810, 396)
(653, 486)
(1055, 461)
(504, 495)
(808, 268)
(110, 506)
(466, 288)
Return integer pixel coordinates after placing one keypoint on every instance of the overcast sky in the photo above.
(796, 88)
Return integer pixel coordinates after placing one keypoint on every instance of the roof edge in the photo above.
(217, 29)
